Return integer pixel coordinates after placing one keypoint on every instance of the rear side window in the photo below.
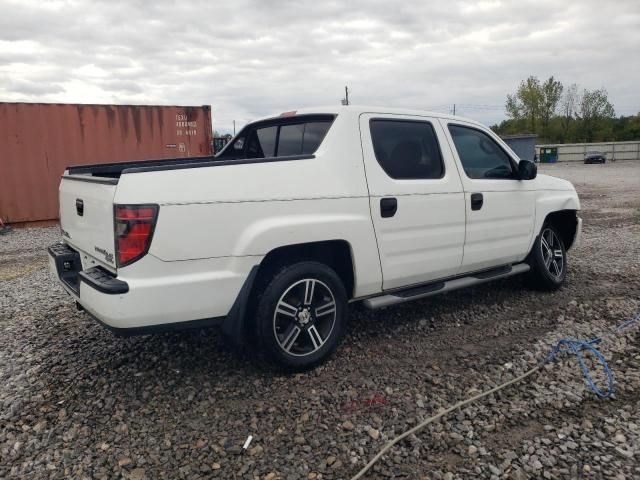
(262, 142)
(314, 133)
(407, 149)
(480, 155)
(301, 138)
(279, 138)
(290, 140)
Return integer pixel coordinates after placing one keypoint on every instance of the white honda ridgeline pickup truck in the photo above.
(300, 215)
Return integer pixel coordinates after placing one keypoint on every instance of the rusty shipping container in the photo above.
(39, 140)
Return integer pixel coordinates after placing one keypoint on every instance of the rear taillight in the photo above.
(134, 225)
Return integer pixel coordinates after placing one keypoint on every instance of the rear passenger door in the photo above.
(416, 198)
(500, 208)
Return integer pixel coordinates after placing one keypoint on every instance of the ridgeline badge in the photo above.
(107, 255)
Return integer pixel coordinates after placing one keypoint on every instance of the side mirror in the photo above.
(527, 170)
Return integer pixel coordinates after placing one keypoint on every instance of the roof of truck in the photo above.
(359, 109)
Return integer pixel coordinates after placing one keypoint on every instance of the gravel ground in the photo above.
(78, 402)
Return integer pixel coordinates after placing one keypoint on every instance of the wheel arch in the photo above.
(560, 207)
(336, 254)
(566, 222)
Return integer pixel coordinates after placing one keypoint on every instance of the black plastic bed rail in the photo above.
(115, 169)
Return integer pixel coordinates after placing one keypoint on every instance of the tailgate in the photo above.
(86, 218)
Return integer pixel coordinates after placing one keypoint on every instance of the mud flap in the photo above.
(233, 326)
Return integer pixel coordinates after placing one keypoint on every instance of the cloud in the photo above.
(30, 88)
(251, 58)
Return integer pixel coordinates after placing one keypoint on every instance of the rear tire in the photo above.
(548, 260)
(301, 315)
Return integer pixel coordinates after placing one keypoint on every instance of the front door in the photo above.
(500, 208)
(416, 198)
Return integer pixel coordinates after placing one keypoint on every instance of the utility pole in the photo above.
(345, 100)
(234, 128)
(454, 108)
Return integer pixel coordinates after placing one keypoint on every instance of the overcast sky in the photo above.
(248, 59)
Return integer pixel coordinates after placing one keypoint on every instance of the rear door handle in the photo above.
(476, 201)
(388, 207)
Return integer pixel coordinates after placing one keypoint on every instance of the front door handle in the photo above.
(476, 201)
(388, 207)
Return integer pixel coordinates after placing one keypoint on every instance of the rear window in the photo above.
(279, 138)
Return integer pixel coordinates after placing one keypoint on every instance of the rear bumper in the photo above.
(151, 295)
(66, 264)
(103, 281)
(161, 328)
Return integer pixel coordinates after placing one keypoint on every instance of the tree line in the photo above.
(559, 114)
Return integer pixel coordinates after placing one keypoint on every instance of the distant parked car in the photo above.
(595, 157)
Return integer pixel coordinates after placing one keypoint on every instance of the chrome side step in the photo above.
(414, 293)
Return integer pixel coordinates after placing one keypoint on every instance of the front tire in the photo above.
(301, 315)
(548, 260)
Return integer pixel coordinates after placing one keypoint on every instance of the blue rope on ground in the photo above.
(564, 345)
(568, 345)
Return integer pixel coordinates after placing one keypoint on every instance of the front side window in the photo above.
(407, 149)
(480, 155)
(279, 138)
